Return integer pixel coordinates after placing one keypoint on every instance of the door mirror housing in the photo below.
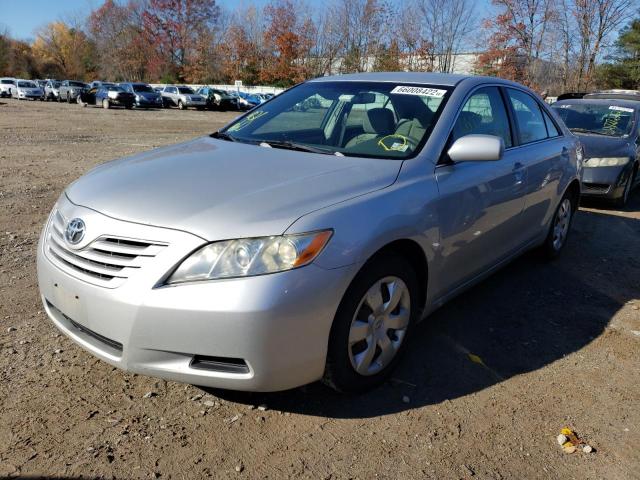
(474, 148)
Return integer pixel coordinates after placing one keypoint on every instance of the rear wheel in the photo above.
(370, 329)
(105, 104)
(560, 226)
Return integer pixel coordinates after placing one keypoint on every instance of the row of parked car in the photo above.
(130, 94)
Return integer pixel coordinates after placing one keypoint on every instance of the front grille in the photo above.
(107, 261)
(597, 188)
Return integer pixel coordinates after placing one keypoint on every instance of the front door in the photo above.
(480, 202)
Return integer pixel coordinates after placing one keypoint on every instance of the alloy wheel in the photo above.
(379, 325)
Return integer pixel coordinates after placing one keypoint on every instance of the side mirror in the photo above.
(473, 148)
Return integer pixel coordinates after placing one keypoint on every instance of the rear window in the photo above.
(142, 88)
(7, 82)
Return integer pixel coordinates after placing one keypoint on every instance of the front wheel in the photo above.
(622, 200)
(371, 326)
(105, 104)
(180, 105)
(560, 225)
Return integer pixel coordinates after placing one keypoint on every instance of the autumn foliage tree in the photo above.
(176, 28)
(287, 45)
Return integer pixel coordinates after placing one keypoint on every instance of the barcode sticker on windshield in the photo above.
(621, 109)
(429, 92)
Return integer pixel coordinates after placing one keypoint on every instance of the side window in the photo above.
(528, 115)
(484, 113)
(552, 130)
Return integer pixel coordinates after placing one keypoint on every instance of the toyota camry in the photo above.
(302, 244)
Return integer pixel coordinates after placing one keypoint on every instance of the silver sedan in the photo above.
(307, 238)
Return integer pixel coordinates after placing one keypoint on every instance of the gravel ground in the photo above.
(485, 387)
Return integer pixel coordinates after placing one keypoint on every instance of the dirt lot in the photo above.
(558, 345)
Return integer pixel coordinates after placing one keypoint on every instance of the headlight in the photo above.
(606, 162)
(112, 94)
(250, 256)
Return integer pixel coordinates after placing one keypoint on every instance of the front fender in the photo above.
(365, 224)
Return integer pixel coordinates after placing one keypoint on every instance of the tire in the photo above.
(68, 98)
(80, 102)
(628, 186)
(181, 105)
(356, 359)
(560, 227)
(105, 104)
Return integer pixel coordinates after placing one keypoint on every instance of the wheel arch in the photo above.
(573, 189)
(411, 251)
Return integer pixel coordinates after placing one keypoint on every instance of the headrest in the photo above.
(379, 121)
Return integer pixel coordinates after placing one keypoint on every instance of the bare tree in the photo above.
(446, 27)
(596, 20)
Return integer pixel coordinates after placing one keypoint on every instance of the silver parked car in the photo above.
(298, 245)
(182, 97)
(27, 90)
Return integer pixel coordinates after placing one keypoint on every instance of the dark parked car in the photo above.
(609, 134)
(69, 90)
(99, 83)
(107, 97)
(218, 99)
(145, 96)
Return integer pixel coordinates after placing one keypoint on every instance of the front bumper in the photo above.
(146, 103)
(276, 325)
(604, 182)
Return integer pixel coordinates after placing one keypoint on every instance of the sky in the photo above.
(23, 17)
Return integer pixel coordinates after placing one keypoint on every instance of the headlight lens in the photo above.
(250, 256)
(112, 94)
(606, 162)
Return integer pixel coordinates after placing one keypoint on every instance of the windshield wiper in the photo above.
(584, 130)
(297, 146)
(223, 136)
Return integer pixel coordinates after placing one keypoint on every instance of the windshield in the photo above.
(367, 119)
(76, 84)
(115, 88)
(143, 88)
(598, 118)
(186, 90)
(7, 82)
(27, 85)
(55, 84)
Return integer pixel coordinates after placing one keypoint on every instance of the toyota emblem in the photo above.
(74, 233)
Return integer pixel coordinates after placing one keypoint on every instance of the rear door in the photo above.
(481, 203)
(543, 151)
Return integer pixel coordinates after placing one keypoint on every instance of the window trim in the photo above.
(540, 107)
(512, 128)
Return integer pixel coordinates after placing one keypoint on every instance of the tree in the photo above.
(595, 19)
(446, 27)
(65, 49)
(175, 28)
(287, 44)
(517, 36)
(624, 69)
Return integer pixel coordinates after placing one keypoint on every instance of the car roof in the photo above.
(601, 101)
(431, 78)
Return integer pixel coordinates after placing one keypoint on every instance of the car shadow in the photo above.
(526, 316)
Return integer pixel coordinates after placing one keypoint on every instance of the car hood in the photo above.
(603, 146)
(148, 95)
(218, 189)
